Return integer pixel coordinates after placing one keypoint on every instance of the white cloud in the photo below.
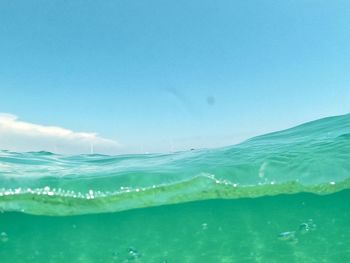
(16, 135)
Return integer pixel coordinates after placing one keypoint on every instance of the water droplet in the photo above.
(210, 100)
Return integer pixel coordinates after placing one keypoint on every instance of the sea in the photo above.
(279, 197)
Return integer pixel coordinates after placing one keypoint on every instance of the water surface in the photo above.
(277, 197)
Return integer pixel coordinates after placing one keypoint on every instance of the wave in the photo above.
(313, 157)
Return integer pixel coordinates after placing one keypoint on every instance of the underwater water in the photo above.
(282, 196)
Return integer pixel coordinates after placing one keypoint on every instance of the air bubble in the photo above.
(133, 253)
(288, 236)
(307, 226)
(4, 237)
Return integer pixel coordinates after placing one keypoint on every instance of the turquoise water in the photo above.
(277, 197)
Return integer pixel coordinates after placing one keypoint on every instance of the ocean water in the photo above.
(279, 197)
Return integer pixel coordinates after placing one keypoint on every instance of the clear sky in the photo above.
(161, 75)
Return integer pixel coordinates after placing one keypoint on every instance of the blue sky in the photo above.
(172, 75)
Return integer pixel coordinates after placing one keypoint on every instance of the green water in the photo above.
(244, 230)
(280, 197)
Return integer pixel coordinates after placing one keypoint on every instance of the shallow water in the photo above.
(289, 228)
(273, 198)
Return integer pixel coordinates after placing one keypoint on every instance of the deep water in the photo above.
(279, 197)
